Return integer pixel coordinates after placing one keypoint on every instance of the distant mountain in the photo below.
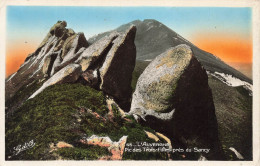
(153, 38)
(72, 97)
(245, 68)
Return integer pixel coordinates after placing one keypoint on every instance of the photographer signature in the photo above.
(25, 146)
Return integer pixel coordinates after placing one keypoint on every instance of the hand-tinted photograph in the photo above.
(128, 83)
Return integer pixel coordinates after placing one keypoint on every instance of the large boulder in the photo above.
(173, 97)
(108, 65)
(93, 56)
(68, 74)
(116, 71)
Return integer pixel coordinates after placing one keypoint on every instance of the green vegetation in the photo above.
(50, 117)
(138, 70)
(20, 96)
(84, 153)
(61, 113)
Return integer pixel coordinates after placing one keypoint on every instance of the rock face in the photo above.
(106, 65)
(72, 49)
(112, 58)
(173, 97)
(116, 148)
(58, 49)
(69, 74)
(116, 71)
(93, 57)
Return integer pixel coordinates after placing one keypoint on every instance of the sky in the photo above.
(224, 32)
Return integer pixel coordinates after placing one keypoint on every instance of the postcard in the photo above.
(128, 82)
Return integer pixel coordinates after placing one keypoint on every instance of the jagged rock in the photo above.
(69, 74)
(152, 136)
(58, 30)
(47, 66)
(59, 145)
(116, 148)
(95, 115)
(93, 56)
(113, 58)
(90, 78)
(60, 47)
(67, 45)
(73, 47)
(116, 71)
(62, 144)
(173, 97)
(39, 64)
(110, 102)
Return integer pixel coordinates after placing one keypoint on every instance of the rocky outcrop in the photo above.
(107, 64)
(69, 74)
(93, 57)
(115, 148)
(58, 30)
(58, 43)
(48, 62)
(72, 49)
(112, 59)
(62, 144)
(59, 145)
(60, 47)
(173, 97)
(90, 78)
(116, 71)
(110, 103)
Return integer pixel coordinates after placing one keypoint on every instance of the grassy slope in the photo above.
(234, 113)
(20, 96)
(54, 115)
(139, 68)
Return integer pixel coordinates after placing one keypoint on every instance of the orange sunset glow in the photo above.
(229, 48)
(16, 56)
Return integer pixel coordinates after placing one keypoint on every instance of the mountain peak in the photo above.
(153, 38)
(150, 20)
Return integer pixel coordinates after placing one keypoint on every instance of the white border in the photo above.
(191, 3)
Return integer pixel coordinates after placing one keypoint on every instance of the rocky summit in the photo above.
(72, 99)
(100, 65)
(48, 55)
(173, 97)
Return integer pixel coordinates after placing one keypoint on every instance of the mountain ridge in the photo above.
(95, 81)
(149, 44)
